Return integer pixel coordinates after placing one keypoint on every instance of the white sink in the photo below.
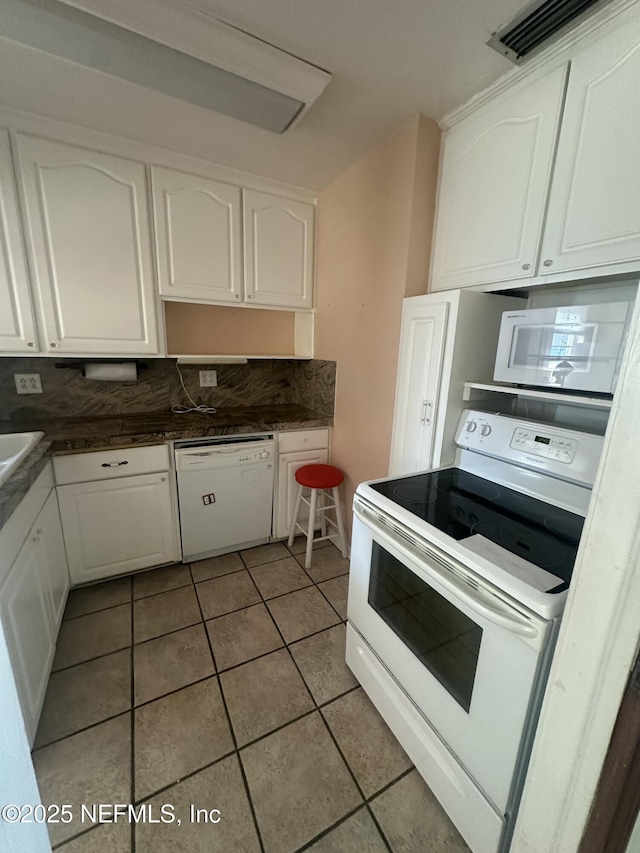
(14, 446)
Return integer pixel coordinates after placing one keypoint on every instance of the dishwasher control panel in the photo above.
(219, 455)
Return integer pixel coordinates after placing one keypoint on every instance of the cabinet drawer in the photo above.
(306, 439)
(107, 464)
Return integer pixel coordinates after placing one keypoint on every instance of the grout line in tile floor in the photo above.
(229, 723)
(317, 707)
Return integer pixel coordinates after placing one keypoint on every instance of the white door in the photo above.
(422, 340)
(48, 530)
(198, 237)
(288, 464)
(90, 240)
(116, 526)
(278, 250)
(17, 326)
(26, 616)
(594, 214)
(494, 181)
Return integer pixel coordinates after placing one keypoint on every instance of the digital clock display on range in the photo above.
(542, 440)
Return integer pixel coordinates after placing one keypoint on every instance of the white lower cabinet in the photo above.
(32, 600)
(302, 447)
(116, 526)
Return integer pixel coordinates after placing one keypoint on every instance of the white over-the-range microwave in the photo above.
(575, 347)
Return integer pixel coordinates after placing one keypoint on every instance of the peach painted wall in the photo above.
(374, 238)
(194, 329)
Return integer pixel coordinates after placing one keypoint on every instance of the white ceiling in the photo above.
(390, 59)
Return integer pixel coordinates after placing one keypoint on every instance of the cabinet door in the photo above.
(89, 236)
(494, 181)
(278, 250)
(594, 214)
(48, 532)
(17, 326)
(422, 340)
(198, 237)
(26, 616)
(116, 526)
(288, 464)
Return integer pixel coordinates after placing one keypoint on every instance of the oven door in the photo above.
(468, 658)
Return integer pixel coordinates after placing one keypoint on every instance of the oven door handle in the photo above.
(502, 616)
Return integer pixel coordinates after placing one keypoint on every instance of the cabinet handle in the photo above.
(547, 263)
(526, 266)
(113, 464)
(426, 406)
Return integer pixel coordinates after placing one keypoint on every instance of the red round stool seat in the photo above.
(319, 476)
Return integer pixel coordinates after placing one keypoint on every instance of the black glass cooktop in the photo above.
(462, 504)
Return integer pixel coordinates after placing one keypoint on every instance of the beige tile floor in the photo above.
(223, 685)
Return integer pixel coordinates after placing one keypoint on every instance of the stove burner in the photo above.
(414, 493)
(564, 526)
(529, 545)
(461, 481)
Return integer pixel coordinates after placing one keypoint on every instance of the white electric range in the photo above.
(458, 581)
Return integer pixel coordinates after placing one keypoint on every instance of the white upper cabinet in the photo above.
(594, 208)
(17, 326)
(278, 250)
(89, 235)
(494, 180)
(198, 225)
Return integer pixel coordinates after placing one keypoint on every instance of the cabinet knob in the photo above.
(162, 479)
(547, 263)
(31, 344)
(53, 344)
(39, 532)
(36, 539)
(526, 266)
(237, 296)
(249, 295)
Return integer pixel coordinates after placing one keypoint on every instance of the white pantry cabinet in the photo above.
(198, 226)
(494, 178)
(17, 324)
(278, 250)
(32, 601)
(89, 236)
(422, 338)
(295, 449)
(445, 339)
(594, 212)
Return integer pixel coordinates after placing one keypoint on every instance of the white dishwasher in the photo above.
(225, 493)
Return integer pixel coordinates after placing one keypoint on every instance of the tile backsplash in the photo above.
(260, 382)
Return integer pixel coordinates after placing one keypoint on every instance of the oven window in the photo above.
(441, 636)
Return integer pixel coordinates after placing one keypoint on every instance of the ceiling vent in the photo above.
(538, 24)
(199, 59)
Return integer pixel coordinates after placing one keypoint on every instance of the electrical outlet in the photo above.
(208, 378)
(28, 383)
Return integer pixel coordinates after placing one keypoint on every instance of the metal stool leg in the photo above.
(296, 510)
(343, 538)
(311, 528)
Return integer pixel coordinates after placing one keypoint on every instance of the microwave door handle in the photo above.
(500, 616)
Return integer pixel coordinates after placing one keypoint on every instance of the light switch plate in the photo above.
(28, 383)
(208, 378)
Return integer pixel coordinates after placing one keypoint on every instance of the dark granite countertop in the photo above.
(101, 432)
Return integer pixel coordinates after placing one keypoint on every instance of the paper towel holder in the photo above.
(82, 364)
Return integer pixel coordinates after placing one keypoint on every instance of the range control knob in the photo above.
(264, 454)
(471, 426)
(485, 430)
